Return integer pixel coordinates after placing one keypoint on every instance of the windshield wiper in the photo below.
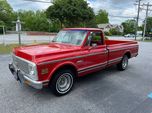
(53, 41)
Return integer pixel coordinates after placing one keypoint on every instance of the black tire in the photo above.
(123, 64)
(62, 77)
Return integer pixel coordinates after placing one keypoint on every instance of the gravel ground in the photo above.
(106, 91)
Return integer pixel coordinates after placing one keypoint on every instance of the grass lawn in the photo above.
(5, 49)
(147, 41)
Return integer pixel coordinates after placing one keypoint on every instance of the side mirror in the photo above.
(94, 45)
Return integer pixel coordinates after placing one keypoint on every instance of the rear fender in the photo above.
(127, 51)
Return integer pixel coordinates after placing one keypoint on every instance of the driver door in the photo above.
(97, 54)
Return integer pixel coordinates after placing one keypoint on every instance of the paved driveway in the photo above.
(107, 91)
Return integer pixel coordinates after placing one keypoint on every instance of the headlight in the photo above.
(32, 71)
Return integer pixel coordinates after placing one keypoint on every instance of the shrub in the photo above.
(107, 33)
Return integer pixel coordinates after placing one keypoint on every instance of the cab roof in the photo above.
(86, 29)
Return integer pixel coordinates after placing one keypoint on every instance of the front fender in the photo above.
(58, 66)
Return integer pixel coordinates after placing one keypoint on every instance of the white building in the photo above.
(107, 27)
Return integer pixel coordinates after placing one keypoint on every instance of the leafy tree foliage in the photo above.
(6, 13)
(106, 33)
(102, 17)
(129, 26)
(149, 25)
(35, 21)
(91, 23)
(70, 13)
(114, 31)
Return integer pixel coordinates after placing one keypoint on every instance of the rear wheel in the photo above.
(62, 82)
(123, 64)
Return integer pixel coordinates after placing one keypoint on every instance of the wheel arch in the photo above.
(128, 53)
(65, 65)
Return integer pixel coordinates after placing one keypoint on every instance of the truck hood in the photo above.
(34, 52)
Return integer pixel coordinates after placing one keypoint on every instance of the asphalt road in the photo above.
(107, 91)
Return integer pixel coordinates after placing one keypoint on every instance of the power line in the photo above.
(121, 16)
(145, 9)
(50, 1)
(150, 13)
(140, 7)
(146, 6)
(129, 17)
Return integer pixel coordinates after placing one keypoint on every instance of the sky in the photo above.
(122, 8)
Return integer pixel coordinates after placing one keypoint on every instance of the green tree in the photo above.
(91, 23)
(102, 17)
(6, 13)
(70, 13)
(149, 25)
(114, 31)
(36, 21)
(129, 26)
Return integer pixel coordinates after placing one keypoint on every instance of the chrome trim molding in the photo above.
(76, 57)
(115, 60)
(93, 66)
(28, 62)
(100, 65)
(24, 59)
(79, 61)
(122, 49)
(34, 84)
(82, 56)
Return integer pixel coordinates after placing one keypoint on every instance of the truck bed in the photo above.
(117, 48)
(119, 42)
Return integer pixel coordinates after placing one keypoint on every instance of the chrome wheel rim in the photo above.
(125, 62)
(64, 83)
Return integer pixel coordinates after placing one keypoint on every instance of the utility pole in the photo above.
(42, 1)
(145, 23)
(136, 28)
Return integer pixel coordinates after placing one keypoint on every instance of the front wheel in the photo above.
(123, 64)
(62, 82)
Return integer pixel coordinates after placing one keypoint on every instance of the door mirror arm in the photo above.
(94, 45)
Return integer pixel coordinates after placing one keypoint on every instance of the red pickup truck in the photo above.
(74, 52)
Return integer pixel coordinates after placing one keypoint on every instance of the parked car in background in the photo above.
(148, 36)
(129, 36)
(73, 53)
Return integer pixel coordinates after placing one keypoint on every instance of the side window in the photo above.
(95, 38)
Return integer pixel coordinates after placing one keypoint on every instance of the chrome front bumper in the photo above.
(24, 79)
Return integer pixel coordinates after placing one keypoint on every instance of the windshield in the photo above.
(74, 37)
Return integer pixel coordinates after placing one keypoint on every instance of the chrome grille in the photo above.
(20, 64)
